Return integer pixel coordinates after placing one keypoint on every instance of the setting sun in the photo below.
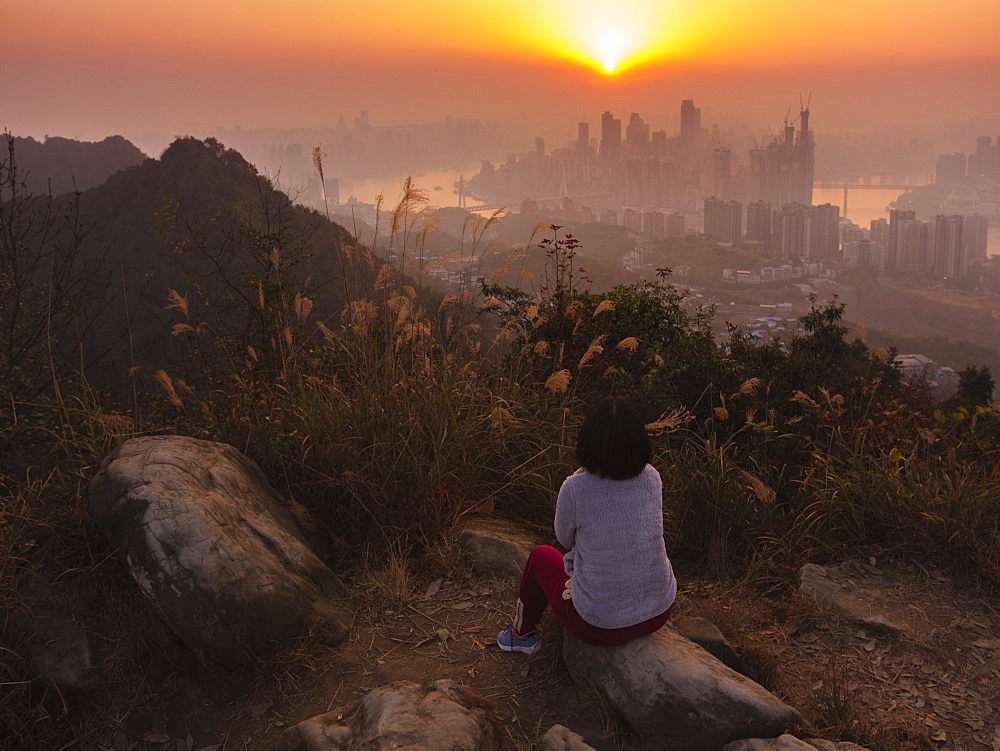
(606, 39)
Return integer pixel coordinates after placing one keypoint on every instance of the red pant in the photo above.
(544, 582)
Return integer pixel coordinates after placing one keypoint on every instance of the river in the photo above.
(391, 187)
(865, 205)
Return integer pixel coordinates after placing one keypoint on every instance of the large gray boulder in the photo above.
(209, 542)
(496, 549)
(791, 743)
(561, 738)
(675, 695)
(443, 716)
(823, 745)
(833, 588)
(707, 635)
(782, 743)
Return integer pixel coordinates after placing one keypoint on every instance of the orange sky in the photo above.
(87, 69)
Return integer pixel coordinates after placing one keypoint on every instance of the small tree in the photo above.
(50, 297)
(975, 385)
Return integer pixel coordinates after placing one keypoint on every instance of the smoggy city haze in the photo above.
(150, 71)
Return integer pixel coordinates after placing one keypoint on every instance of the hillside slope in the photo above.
(63, 165)
(201, 221)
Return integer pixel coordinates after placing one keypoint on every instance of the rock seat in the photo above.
(675, 695)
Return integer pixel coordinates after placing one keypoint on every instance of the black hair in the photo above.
(613, 442)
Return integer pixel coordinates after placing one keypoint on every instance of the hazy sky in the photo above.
(92, 68)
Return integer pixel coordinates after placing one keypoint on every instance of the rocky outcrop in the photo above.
(496, 549)
(833, 589)
(819, 743)
(675, 695)
(783, 743)
(442, 716)
(790, 743)
(561, 738)
(60, 653)
(707, 635)
(210, 544)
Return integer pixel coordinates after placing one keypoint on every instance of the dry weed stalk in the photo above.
(502, 420)
(303, 306)
(558, 382)
(605, 306)
(595, 349)
(163, 379)
(669, 421)
(764, 494)
(177, 302)
(318, 157)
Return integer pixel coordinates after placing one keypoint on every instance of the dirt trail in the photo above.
(936, 687)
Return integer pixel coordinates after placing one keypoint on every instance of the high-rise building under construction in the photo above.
(782, 172)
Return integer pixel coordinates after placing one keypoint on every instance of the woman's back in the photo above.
(615, 584)
(617, 559)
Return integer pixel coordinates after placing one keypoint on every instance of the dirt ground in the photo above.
(935, 686)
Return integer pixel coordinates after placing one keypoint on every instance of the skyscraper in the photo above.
(811, 232)
(690, 142)
(645, 183)
(805, 148)
(824, 232)
(690, 122)
(611, 139)
(864, 253)
(879, 234)
(654, 225)
(675, 225)
(892, 252)
(914, 241)
(949, 255)
(975, 237)
(981, 163)
(658, 144)
(637, 134)
(722, 160)
(723, 221)
(950, 169)
(759, 224)
(633, 182)
(791, 231)
(582, 137)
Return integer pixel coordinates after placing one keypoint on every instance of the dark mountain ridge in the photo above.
(64, 165)
(203, 222)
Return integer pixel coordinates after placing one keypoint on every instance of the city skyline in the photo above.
(99, 68)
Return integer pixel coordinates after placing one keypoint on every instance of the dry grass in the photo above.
(392, 577)
(394, 420)
(802, 654)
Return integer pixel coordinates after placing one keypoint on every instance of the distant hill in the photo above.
(65, 165)
(202, 221)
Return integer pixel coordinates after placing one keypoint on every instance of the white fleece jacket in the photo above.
(617, 559)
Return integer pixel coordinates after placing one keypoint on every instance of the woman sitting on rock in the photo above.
(615, 584)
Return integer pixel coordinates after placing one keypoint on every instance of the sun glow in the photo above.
(611, 38)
